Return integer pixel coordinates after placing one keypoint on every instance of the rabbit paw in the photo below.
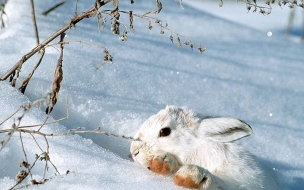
(163, 163)
(194, 177)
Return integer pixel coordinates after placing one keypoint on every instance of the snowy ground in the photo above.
(244, 74)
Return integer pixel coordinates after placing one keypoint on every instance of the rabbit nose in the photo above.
(133, 155)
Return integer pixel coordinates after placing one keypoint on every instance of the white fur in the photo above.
(201, 146)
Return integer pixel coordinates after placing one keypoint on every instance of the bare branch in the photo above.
(90, 13)
(11, 115)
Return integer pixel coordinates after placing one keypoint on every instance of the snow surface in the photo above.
(244, 74)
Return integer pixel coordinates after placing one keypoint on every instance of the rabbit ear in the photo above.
(225, 129)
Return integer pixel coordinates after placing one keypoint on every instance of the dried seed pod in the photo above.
(150, 26)
(201, 49)
(221, 3)
(110, 58)
(115, 27)
(58, 76)
(171, 38)
(191, 46)
(179, 45)
(248, 8)
(178, 39)
(34, 182)
(123, 38)
(131, 20)
(21, 176)
(24, 164)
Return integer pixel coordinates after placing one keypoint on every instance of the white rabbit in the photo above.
(198, 151)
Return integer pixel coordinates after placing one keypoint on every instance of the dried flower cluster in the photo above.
(265, 10)
(116, 25)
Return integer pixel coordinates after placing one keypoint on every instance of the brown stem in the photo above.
(90, 13)
(302, 37)
(54, 7)
(34, 22)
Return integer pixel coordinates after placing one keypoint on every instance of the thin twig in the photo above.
(11, 115)
(76, 7)
(76, 131)
(38, 125)
(34, 22)
(302, 37)
(48, 153)
(36, 142)
(24, 153)
(77, 41)
(53, 8)
(28, 78)
(3, 143)
(290, 22)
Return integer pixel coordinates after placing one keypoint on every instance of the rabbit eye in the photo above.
(164, 132)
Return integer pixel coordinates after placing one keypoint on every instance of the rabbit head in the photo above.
(185, 135)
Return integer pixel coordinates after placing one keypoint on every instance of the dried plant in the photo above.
(2, 13)
(252, 5)
(50, 100)
(116, 25)
(90, 13)
(58, 76)
(34, 131)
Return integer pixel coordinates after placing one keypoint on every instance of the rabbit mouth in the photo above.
(133, 155)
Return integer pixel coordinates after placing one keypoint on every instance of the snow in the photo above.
(244, 74)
